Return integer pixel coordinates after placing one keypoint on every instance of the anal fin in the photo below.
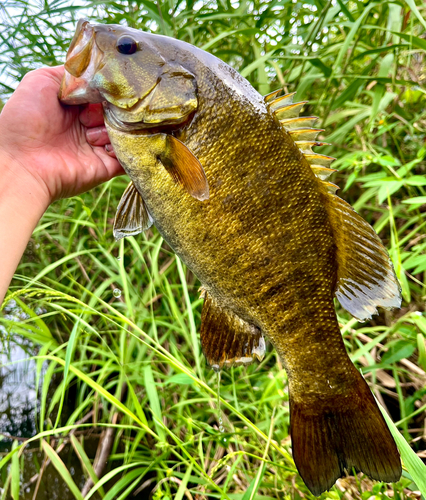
(365, 275)
(226, 339)
(132, 216)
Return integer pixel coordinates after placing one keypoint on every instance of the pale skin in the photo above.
(48, 151)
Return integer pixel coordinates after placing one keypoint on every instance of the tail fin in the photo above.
(347, 431)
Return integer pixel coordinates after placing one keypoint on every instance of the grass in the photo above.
(134, 361)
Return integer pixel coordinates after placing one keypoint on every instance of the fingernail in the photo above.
(93, 134)
(108, 148)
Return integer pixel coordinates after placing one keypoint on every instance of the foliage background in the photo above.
(132, 363)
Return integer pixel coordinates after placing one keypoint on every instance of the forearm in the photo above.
(22, 204)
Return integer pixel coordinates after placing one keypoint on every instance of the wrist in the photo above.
(21, 189)
(22, 203)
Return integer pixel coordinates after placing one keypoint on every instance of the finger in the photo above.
(92, 115)
(55, 72)
(97, 136)
(112, 167)
(109, 150)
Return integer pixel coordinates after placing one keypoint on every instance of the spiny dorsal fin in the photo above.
(226, 339)
(272, 95)
(301, 131)
(365, 275)
(306, 146)
(322, 172)
(331, 188)
(305, 134)
(298, 122)
(281, 102)
(289, 110)
(318, 159)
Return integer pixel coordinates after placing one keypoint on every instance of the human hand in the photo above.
(52, 150)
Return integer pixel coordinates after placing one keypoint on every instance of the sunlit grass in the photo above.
(135, 361)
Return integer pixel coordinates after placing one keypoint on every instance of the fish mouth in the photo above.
(82, 61)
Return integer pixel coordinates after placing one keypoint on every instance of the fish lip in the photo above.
(123, 126)
(111, 110)
(82, 61)
(141, 128)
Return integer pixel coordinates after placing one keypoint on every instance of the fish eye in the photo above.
(126, 45)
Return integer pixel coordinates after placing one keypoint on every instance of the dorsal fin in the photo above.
(322, 172)
(226, 339)
(306, 146)
(302, 132)
(281, 102)
(318, 159)
(289, 110)
(298, 122)
(365, 275)
(305, 134)
(272, 95)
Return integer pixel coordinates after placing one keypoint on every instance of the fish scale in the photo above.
(231, 182)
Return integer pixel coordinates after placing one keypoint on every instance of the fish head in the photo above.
(140, 86)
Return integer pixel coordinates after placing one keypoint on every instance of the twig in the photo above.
(37, 477)
(102, 453)
(104, 448)
(172, 479)
(13, 438)
(408, 364)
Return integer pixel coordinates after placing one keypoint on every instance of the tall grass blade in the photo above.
(414, 464)
(15, 473)
(61, 468)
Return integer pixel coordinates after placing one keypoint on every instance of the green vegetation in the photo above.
(134, 360)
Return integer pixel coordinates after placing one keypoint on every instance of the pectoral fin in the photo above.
(226, 339)
(185, 168)
(132, 216)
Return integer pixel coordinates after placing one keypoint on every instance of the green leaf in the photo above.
(85, 462)
(380, 50)
(414, 464)
(15, 475)
(256, 64)
(413, 7)
(68, 358)
(103, 392)
(183, 485)
(138, 473)
(416, 180)
(61, 468)
(180, 379)
(421, 346)
(421, 200)
(414, 40)
(154, 400)
(403, 351)
(353, 31)
(320, 65)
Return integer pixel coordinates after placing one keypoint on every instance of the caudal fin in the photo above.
(347, 431)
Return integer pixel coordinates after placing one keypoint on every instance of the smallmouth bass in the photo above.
(230, 180)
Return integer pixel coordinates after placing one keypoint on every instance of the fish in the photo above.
(232, 183)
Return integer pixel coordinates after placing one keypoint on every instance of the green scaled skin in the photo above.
(231, 182)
